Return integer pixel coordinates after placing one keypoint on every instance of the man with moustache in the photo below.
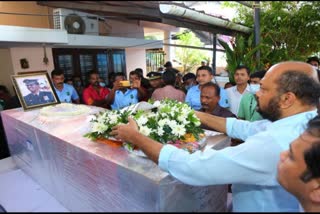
(94, 94)
(66, 92)
(298, 168)
(210, 96)
(288, 99)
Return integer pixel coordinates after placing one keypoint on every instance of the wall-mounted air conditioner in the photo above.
(75, 22)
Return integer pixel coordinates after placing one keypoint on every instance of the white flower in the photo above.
(142, 120)
(181, 118)
(279, 18)
(179, 130)
(113, 118)
(163, 122)
(99, 127)
(145, 130)
(150, 114)
(160, 130)
(198, 123)
(172, 124)
(185, 121)
(171, 115)
(185, 111)
(157, 103)
(101, 119)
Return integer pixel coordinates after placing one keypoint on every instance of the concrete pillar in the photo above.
(167, 49)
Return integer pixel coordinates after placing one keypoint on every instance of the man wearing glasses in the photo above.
(36, 96)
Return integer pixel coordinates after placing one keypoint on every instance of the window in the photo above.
(79, 62)
(155, 59)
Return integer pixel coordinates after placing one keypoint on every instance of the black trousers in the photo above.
(4, 150)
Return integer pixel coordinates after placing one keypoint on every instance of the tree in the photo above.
(190, 58)
(241, 52)
(290, 30)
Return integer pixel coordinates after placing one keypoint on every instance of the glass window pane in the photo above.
(86, 65)
(66, 64)
(117, 61)
(102, 66)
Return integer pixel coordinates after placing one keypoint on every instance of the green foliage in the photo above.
(290, 30)
(168, 122)
(190, 58)
(241, 52)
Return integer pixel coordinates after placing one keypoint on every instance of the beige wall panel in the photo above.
(23, 20)
(6, 69)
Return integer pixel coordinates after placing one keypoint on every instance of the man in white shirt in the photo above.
(288, 99)
(241, 77)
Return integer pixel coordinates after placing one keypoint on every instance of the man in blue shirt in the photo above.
(288, 99)
(66, 93)
(298, 168)
(204, 75)
(122, 96)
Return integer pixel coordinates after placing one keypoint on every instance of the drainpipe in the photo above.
(214, 53)
(257, 28)
(201, 17)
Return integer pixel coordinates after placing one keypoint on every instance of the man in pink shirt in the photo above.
(94, 94)
(168, 91)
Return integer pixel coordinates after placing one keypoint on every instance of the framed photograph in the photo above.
(34, 90)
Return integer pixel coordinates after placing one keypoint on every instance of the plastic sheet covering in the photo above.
(88, 176)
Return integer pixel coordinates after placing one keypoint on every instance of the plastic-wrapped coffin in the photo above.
(88, 176)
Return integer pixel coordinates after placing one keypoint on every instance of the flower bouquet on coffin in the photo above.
(167, 121)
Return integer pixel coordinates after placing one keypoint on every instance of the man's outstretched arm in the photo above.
(129, 133)
(214, 122)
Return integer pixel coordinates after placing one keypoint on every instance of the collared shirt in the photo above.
(250, 167)
(235, 97)
(41, 98)
(220, 112)
(67, 94)
(247, 108)
(170, 92)
(89, 94)
(127, 98)
(193, 98)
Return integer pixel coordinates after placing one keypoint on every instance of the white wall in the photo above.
(6, 69)
(135, 58)
(125, 29)
(34, 55)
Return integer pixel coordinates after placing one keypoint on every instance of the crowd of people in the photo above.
(273, 115)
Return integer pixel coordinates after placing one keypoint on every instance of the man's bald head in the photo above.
(280, 68)
(299, 78)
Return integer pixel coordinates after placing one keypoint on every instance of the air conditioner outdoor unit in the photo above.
(75, 22)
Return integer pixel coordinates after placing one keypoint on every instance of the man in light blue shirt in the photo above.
(66, 93)
(204, 75)
(288, 99)
(123, 99)
(122, 96)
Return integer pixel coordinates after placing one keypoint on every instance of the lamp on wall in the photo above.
(45, 58)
